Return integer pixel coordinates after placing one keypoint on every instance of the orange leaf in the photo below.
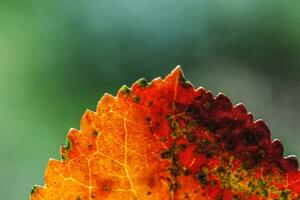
(165, 140)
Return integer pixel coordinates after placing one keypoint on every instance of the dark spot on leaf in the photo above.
(182, 147)
(174, 186)
(175, 170)
(150, 103)
(106, 187)
(187, 172)
(165, 154)
(191, 137)
(136, 99)
(202, 177)
(95, 133)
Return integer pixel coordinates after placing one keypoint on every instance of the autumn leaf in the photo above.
(166, 140)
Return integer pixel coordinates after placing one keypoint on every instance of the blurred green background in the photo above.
(58, 57)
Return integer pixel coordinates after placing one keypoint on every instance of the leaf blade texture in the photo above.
(167, 140)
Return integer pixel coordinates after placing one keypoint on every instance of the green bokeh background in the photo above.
(58, 57)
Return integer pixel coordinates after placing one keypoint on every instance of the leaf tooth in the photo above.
(125, 90)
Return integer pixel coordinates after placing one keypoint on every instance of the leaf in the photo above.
(165, 140)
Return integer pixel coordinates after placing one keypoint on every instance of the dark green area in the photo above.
(58, 58)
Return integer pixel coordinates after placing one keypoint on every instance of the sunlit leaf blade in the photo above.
(166, 140)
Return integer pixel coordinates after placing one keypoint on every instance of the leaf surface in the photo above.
(166, 140)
